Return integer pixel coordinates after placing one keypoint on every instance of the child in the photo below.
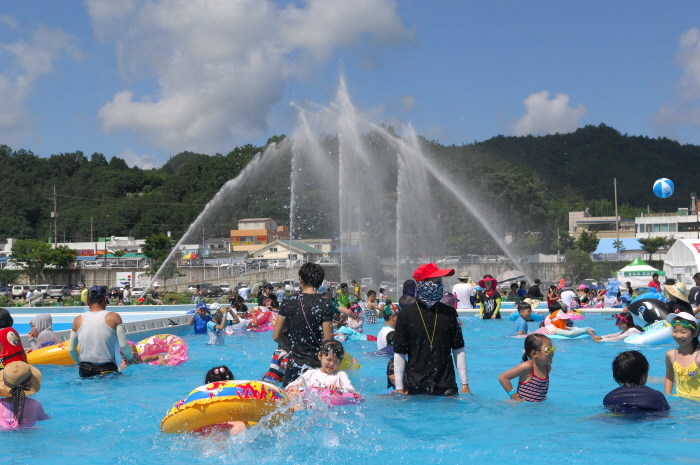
(533, 373)
(631, 371)
(520, 326)
(11, 349)
(682, 363)
(356, 320)
(326, 377)
(625, 324)
(41, 334)
(16, 411)
(390, 377)
(217, 375)
(215, 327)
(200, 319)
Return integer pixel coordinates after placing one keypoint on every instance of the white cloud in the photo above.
(684, 111)
(545, 116)
(144, 162)
(220, 65)
(23, 63)
(408, 102)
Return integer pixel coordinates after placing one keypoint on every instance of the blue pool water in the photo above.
(116, 420)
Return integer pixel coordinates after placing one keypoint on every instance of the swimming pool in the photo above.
(116, 420)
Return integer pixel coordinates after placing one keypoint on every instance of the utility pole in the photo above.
(617, 219)
(91, 240)
(55, 218)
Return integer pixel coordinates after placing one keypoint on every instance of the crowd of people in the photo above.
(421, 336)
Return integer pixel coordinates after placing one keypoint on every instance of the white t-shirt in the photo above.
(381, 337)
(318, 379)
(463, 291)
(243, 292)
(567, 297)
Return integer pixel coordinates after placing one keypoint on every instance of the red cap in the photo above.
(430, 270)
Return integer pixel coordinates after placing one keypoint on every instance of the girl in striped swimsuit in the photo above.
(533, 373)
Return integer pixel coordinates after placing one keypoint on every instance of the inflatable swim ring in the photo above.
(656, 333)
(224, 401)
(331, 397)
(262, 317)
(348, 362)
(174, 348)
(262, 328)
(559, 336)
(56, 354)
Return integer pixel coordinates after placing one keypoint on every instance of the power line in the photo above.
(129, 200)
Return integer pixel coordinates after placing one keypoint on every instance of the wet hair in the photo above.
(390, 338)
(553, 287)
(332, 347)
(371, 293)
(311, 274)
(630, 368)
(554, 306)
(524, 306)
(534, 341)
(220, 373)
(514, 285)
(217, 317)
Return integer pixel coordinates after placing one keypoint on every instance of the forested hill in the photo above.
(532, 181)
(593, 156)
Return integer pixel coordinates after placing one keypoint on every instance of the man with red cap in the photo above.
(427, 335)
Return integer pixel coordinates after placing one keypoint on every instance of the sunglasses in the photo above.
(549, 350)
(684, 323)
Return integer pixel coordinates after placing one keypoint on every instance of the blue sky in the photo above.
(146, 80)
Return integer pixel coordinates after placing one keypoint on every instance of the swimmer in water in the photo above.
(328, 376)
(533, 373)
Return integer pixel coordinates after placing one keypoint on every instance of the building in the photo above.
(256, 232)
(604, 225)
(280, 250)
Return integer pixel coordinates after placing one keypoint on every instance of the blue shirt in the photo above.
(522, 293)
(520, 325)
(200, 324)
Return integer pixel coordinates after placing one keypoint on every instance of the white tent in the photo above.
(638, 273)
(683, 260)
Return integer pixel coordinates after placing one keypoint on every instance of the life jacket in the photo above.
(561, 324)
(11, 349)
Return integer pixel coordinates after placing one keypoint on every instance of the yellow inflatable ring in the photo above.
(56, 354)
(348, 363)
(225, 401)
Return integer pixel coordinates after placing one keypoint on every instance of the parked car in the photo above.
(19, 291)
(59, 291)
(326, 261)
(277, 264)
(210, 290)
(452, 259)
(116, 292)
(75, 290)
(43, 288)
(256, 264)
(365, 285)
(5, 291)
(226, 288)
(291, 286)
(91, 264)
(191, 288)
(137, 292)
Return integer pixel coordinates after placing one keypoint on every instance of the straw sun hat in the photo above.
(677, 290)
(20, 374)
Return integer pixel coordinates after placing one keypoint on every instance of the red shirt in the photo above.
(655, 284)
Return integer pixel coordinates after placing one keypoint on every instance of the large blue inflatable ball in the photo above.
(663, 188)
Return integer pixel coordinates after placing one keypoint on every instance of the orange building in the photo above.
(252, 231)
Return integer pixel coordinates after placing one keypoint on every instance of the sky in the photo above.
(145, 80)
